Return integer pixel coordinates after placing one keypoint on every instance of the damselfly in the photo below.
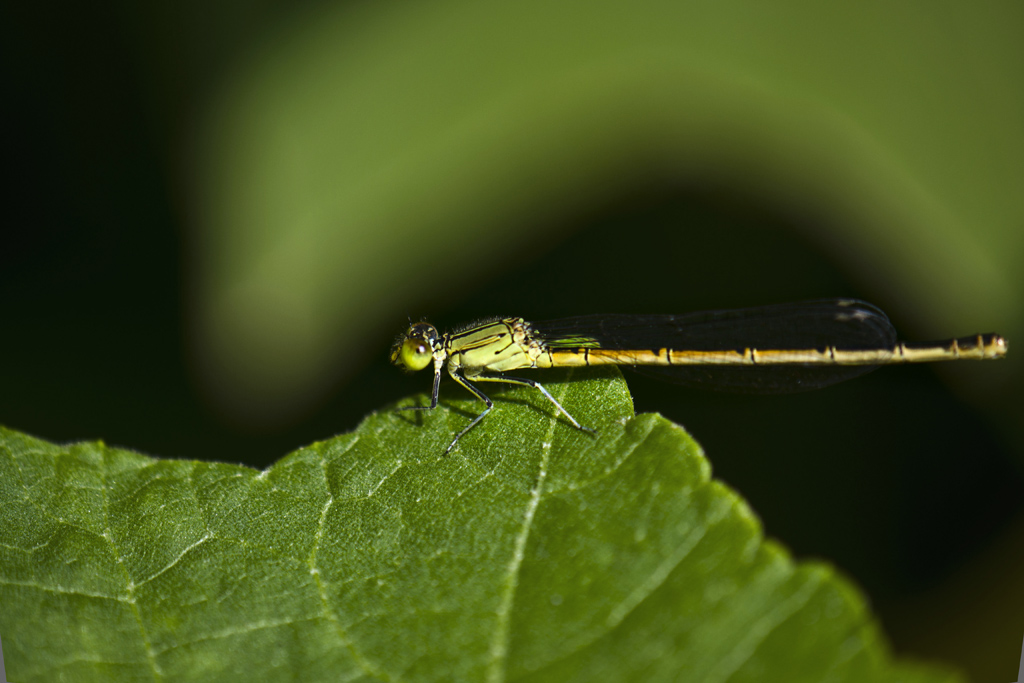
(771, 349)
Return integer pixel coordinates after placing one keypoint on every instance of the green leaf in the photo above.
(533, 552)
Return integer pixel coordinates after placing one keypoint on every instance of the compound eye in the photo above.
(416, 353)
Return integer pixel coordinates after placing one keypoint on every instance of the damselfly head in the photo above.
(415, 349)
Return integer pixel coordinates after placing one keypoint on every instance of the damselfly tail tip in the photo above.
(997, 347)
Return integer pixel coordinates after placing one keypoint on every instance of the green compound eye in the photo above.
(414, 350)
(415, 354)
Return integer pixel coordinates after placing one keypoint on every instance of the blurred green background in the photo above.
(224, 212)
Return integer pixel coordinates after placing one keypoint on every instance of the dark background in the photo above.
(892, 477)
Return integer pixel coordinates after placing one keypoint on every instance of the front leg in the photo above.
(433, 393)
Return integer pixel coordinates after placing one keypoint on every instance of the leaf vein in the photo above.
(207, 536)
(500, 639)
(230, 632)
(662, 571)
(744, 649)
(129, 585)
(63, 591)
(317, 575)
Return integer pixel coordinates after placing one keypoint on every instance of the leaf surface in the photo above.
(533, 552)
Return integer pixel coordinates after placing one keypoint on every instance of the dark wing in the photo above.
(842, 323)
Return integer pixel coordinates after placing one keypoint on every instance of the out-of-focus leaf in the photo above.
(371, 156)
